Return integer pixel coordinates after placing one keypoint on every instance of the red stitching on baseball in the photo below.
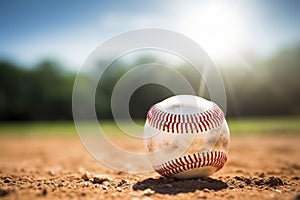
(212, 119)
(160, 121)
(177, 123)
(214, 158)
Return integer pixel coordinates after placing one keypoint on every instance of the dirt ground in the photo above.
(259, 167)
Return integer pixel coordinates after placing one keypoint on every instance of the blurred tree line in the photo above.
(41, 93)
(269, 87)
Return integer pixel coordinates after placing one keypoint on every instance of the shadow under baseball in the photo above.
(164, 185)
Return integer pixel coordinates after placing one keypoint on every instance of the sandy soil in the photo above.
(259, 167)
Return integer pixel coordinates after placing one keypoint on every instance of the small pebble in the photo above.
(148, 192)
(104, 187)
(106, 183)
(122, 182)
(7, 180)
(86, 176)
(101, 178)
(261, 175)
(206, 190)
(54, 172)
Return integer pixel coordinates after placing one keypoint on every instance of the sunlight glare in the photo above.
(216, 28)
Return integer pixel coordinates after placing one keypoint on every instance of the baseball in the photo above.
(186, 137)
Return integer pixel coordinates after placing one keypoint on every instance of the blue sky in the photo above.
(68, 31)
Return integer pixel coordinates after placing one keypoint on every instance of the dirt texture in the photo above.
(259, 167)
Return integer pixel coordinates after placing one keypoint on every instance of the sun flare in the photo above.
(216, 28)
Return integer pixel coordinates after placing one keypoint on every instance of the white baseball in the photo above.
(186, 137)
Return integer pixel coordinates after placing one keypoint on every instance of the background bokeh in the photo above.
(254, 44)
(45, 154)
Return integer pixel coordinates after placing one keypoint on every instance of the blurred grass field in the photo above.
(237, 126)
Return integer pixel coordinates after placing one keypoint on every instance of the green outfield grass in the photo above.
(265, 125)
(237, 126)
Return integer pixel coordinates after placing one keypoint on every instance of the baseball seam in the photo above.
(177, 123)
(214, 158)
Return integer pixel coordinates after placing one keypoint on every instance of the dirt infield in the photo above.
(259, 167)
